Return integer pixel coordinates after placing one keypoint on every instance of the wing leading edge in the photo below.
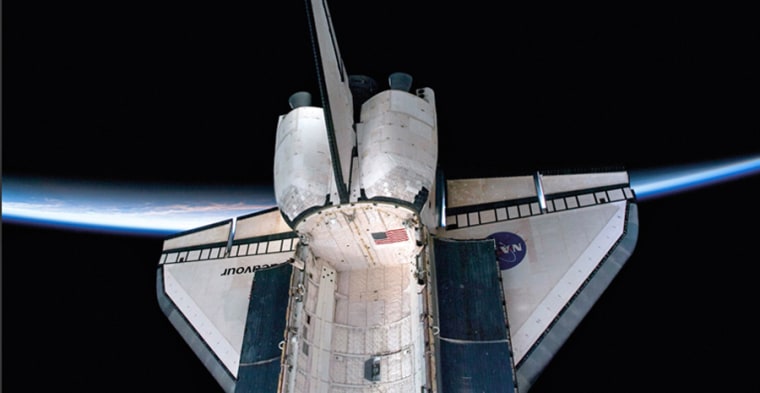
(559, 242)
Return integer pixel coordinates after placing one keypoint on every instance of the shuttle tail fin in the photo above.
(335, 93)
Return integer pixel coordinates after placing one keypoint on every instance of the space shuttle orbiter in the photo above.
(374, 273)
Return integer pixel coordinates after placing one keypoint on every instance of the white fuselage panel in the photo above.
(360, 327)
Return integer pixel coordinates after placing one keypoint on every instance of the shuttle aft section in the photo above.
(375, 273)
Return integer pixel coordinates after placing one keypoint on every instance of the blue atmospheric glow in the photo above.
(655, 183)
(125, 208)
(143, 210)
(78, 225)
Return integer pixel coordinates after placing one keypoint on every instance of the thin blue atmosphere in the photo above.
(660, 182)
(140, 210)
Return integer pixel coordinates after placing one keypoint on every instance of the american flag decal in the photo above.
(392, 236)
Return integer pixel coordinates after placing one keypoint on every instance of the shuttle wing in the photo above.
(559, 241)
(225, 288)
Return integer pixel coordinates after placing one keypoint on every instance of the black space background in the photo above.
(189, 94)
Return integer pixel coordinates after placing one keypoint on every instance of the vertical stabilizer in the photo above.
(335, 93)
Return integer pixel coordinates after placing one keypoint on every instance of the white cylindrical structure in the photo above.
(398, 145)
(302, 164)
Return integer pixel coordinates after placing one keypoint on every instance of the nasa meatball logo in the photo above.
(510, 249)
